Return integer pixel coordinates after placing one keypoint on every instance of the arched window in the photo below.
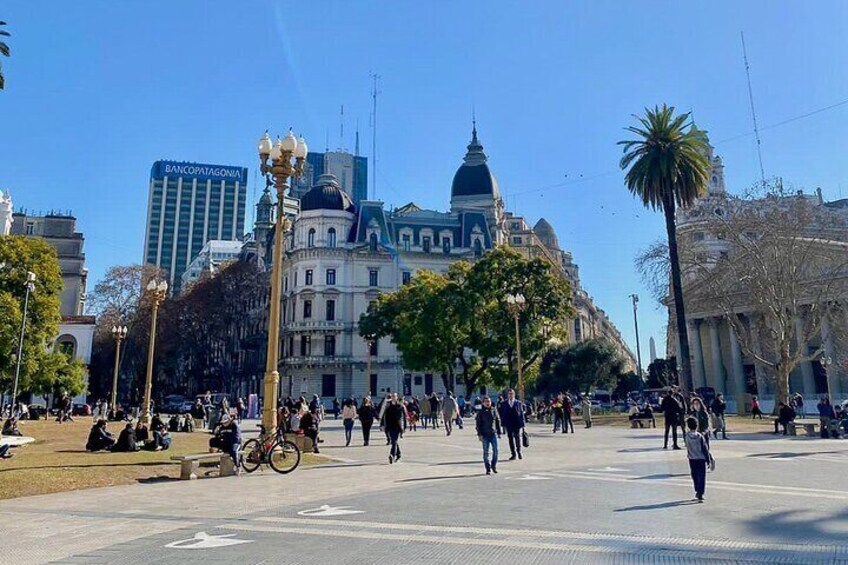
(478, 248)
(331, 237)
(67, 344)
(310, 238)
(372, 241)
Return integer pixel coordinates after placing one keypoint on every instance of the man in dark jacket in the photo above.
(671, 409)
(393, 417)
(230, 438)
(488, 431)
(99, 437)
(785, 414)
(512, 418)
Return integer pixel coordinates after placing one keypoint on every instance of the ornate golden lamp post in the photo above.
(158, 290)
(516, 304)
(119, 333)
(279, 171)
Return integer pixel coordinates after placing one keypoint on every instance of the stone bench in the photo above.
(636, 422)
(190, 463)
(808, 425)
(303, 443)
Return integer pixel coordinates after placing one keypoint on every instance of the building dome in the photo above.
(326, 195)
(473, 178)
(546, 234)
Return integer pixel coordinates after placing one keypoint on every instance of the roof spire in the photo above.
(475, 155)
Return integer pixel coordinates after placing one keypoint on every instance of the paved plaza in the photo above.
(605, 495)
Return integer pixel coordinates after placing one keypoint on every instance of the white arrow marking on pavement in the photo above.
(202, 540)
(609, 469)
(327, 510)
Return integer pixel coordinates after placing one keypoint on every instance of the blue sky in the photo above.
(97, 91)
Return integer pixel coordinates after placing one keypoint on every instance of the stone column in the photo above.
(738, 372)
(698, 378)
(834, 385)
(809, 382)
(719, 376)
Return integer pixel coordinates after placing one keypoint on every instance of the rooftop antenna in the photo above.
(374, 77)
(341, 130)
(327, 142)
(356, 147)
(753, 112)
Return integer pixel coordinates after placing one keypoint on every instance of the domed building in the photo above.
(339, 257)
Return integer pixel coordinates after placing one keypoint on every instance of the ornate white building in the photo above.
(340, 257)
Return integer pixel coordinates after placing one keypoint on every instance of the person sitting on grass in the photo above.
(126, 440)
(99, 438)
(161, 438)
(10, 427)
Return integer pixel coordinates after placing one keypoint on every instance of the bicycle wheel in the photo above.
(251, 455)
(284, 457)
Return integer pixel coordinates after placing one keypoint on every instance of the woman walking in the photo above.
(348, 416)
(367, 414)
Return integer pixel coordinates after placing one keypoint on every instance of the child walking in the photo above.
(698, 452)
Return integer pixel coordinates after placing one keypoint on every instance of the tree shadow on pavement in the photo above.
(443, 477)
(640, 449)
(475, 462)
(659, 476)
(658, 506)
(802, 526)
(793, 455)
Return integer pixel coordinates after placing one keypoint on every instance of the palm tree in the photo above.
(669, 168)
(4, 50)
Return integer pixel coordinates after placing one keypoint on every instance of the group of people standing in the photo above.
(676, 408)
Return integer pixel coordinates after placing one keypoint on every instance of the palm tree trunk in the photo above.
(677, 289)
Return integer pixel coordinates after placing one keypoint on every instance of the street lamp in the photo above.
(119, 333)
(516, 304)
(826, 362)
(30, 286)
(158, 290)
(635, 298)
(277, 173)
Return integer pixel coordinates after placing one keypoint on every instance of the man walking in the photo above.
(449, 412)
(488, 432)
(393, 416)
(671, 411)
(512, 418)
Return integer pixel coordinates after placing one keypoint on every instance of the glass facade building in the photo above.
(350, 170)
(188, 205)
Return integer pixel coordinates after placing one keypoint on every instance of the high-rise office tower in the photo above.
(190, 204)
(350, 170)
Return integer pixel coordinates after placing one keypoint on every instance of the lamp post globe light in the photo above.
(277, 166)
(118, 333)
(516, 304)
(158, 290)
(29, 287)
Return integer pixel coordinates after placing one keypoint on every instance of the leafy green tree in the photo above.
(662, 373)
(19, 255)
(668, 168)
(461, 319)
(57, 374)
(580, 367)
(499, 273)
(4, 50)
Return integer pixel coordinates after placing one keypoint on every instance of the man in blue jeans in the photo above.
(488, 431)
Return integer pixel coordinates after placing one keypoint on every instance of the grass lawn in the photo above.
(57, 460)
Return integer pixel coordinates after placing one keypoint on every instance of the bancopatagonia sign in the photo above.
(199, 171)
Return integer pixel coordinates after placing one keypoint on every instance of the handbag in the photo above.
(525, 439)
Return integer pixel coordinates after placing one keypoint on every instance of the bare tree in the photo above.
(775, 269)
